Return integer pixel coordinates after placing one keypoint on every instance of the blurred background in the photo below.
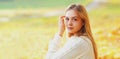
(27, 26)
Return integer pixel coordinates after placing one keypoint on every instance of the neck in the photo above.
(77, 34)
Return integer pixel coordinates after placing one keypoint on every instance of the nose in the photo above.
(70, 22)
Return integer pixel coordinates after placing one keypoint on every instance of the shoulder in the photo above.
(83, 41)
(80, 41)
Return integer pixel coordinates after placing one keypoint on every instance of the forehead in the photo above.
(72, 13)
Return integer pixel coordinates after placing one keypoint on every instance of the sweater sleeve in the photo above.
(69, 51)
(53, 46)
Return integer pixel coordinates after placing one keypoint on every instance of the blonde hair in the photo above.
(85, 29)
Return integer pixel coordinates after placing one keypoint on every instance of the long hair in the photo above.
(85, 29)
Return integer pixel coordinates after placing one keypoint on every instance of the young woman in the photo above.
(80, 43)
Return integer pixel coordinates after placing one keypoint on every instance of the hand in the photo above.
(61, 25)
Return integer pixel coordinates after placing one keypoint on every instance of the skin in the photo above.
(71, 22)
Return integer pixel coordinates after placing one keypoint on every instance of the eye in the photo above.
(66, 18)
(74, 19)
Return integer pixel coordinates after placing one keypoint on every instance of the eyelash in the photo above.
(72, 19)
(66, 18)
(75, 19)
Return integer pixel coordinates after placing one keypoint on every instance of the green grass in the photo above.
(26, 4)
(13, 4)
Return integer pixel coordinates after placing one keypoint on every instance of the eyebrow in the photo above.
(73, 17)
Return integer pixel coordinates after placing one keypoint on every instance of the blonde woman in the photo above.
(80, 43)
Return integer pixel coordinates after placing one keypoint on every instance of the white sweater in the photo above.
(75, 48)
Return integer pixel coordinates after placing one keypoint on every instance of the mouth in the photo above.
(69, 28)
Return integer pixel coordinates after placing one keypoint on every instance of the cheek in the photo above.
(78, 25)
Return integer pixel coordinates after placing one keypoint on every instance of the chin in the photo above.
(70, 32)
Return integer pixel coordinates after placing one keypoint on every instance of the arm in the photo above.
(54, 45)
(70, 52)
(56, 42)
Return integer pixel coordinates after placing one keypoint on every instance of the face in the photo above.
(73, 21)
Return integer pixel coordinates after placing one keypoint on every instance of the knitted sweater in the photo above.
(74, 48)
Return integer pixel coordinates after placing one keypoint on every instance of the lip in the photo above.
(70, 28)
